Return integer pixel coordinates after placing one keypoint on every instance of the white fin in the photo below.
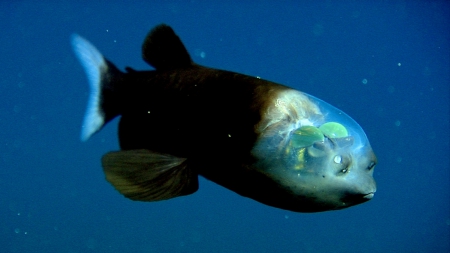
(94, 65)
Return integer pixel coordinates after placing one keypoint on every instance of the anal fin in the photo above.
(148, 176)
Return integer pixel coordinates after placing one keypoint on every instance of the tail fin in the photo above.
(103, 79)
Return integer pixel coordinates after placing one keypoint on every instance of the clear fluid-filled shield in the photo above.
(315, 151)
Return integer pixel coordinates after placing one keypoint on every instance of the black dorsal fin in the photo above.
(164, 50)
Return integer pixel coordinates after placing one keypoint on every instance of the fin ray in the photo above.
(93, 63)
(147, 176)
(105, 81)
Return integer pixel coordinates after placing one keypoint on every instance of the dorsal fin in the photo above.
(164, 50)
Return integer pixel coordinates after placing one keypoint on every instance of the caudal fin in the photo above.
(103, 78)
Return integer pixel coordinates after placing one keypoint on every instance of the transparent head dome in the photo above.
(317, 155)
(299, 120)
(336, 124)
(304, 134)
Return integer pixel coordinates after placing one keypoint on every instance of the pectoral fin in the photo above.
(148, 176)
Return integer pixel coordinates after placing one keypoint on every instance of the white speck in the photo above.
(286, 217)
(148, 112)
(364, 81)
(229, 135)
(107, 30)
(337, 159)
(115, 41)
(397, 123)
(17, 230)
(399, 64)
(200, 53)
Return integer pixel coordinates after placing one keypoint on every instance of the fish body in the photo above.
(260, 139)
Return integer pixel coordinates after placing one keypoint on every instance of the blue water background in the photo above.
(385, 63)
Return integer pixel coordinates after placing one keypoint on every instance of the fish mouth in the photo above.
(359, 198)
(369, 195)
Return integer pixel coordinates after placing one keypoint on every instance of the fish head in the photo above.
(331, 174)
(318, 154)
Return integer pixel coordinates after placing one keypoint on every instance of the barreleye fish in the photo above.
(262, 140)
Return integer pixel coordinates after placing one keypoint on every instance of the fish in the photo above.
(262, 140)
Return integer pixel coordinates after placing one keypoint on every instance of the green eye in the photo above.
(333, 130)
(305, 136)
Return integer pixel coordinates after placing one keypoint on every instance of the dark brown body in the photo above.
(210, 117)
